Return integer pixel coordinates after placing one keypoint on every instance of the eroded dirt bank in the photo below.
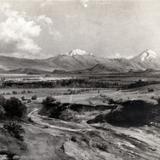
(101, 140)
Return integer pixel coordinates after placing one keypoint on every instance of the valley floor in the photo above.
(52, 139)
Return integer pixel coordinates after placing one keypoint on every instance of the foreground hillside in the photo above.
(80, 128)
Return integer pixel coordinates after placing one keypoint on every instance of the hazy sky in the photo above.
(107, 28)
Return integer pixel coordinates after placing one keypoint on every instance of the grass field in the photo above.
(48, 138)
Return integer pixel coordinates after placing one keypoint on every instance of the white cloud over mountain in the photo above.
(48, 23)
(45, 19)
(44, 28)
(17, 32)
(45, 3)
(84, 3)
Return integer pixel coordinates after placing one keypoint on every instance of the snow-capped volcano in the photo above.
(148, 55)
(148, 59)
(78, 52)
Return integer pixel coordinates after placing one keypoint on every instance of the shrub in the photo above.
(101, 146)
(2, 100)
(23, 92)
(49, 101)
(14, 129)
(2, 112)
(67, 115)
(73, 139)
(23, 98)
(29, 91)
(14, 108)
(150, 90)
(131, 112)
(52, 107)
(110, 101)
(158, 100)
(56, 110)
(28, 101)
(34, 97)
(14, 92)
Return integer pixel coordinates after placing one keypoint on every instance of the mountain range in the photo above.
(80, 61)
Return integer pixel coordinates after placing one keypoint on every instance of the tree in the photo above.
(34, 97)
(23, 98)
(53, 107)
(14, 108)
(2, 112)
(2, 100)
(14, 92)
(14, 129)
(49, 101)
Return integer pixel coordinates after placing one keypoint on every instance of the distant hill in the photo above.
(74, 60)
(80, 61)
(28, 71)
(12, 63)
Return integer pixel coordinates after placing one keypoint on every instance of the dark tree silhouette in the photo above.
(14, 108)
(14, 129)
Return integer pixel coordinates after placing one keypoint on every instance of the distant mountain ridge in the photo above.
(80, 61)
(148, 59)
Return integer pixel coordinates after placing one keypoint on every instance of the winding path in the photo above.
(38, 119)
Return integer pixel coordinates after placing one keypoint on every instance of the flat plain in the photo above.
(82, 131)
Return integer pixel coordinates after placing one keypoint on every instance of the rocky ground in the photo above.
(56, 139)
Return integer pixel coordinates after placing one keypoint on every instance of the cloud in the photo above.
(84, 3)
(17, 32)
(45, 2)
(49, 2)
(47, 22)
(117, 55)
(45, 19)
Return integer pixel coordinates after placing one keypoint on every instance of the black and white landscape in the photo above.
(79, 80)
(81, 61)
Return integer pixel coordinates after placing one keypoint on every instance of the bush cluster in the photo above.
(11, 108)
(53, 107)
(14, 129)
(34, 97)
